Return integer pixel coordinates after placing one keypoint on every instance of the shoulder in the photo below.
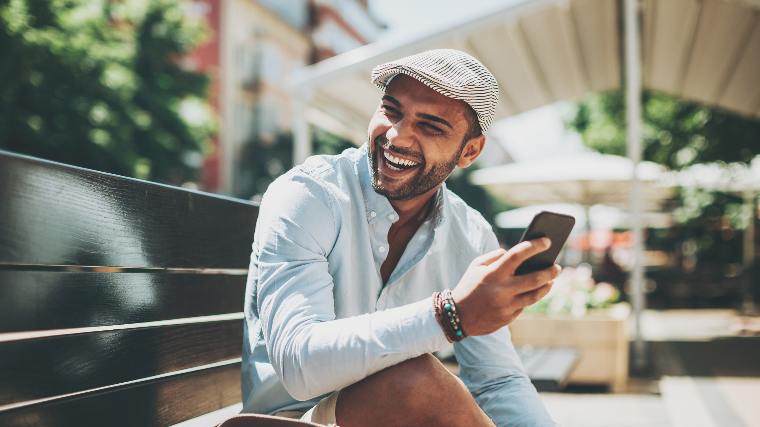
(319, 176)
(309, 192)
(328, 168)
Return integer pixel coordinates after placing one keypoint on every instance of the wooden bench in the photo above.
(120, 300)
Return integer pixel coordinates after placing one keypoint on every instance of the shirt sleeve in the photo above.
(494, 374)
(311, 351)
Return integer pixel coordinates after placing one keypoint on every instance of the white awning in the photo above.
(544, 51)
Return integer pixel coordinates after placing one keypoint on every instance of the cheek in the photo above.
(378, 125)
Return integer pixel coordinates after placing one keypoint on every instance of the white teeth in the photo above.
(398, 161)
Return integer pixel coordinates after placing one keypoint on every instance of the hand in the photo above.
(490, 296)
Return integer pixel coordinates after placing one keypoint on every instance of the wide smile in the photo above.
(394, 165)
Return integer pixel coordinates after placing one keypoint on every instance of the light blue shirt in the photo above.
(317, 316)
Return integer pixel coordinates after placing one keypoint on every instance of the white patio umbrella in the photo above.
(600, 217)
(591, 178)
(586, 179)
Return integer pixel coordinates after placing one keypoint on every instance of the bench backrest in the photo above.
(120, 300)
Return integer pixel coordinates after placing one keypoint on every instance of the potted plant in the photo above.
(585, 315)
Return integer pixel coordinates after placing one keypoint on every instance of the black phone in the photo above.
(556, 227)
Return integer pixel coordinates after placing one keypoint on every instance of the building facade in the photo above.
(253, 48)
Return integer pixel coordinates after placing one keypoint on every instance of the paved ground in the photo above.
(606, 410)
(704, 371)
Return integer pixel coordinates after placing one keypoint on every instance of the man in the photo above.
(340, 312)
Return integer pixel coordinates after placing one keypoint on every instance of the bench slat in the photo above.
(55, 214)
(155, 403)
(35, 300)
(40, 368)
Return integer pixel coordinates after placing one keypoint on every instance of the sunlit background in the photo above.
(223, 96)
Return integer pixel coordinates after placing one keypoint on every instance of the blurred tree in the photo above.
(98, 83)
(263, 160)
(324, 142)
(676, 133)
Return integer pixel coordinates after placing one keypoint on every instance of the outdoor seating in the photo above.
(120, 293)
(120, 299)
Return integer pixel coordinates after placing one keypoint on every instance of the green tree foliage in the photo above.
(262, 160)
(676, 133)
(98, 83)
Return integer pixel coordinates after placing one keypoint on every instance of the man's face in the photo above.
(415, 139)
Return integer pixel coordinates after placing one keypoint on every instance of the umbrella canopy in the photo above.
(729, 178)
(586, 178)
(600, 217)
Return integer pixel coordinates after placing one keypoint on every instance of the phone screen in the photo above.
(556, 227)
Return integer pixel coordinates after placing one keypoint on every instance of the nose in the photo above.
(400, 134)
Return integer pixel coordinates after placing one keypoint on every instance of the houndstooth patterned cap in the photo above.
(451, 73)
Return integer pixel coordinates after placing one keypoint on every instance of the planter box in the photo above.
(600, 337)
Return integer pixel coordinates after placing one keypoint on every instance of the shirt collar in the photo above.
(379, 204)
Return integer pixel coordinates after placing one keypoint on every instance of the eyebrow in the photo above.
(426, 116)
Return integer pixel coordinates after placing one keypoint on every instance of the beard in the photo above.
(420, 182)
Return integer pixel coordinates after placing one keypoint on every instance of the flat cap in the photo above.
(451, 73)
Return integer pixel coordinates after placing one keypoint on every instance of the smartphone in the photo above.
(556, 227)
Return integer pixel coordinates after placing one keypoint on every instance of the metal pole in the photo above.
(633, 128)
(748, 302)
(301, 139)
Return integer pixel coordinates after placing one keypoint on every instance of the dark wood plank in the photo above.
(54, 214)
(40, 368)
(34, 300)
(155, 403)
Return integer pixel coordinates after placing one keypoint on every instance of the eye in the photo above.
(435, 130)
(389, 110)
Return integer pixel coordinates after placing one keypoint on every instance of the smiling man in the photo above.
(364, 264)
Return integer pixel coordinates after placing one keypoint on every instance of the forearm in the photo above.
(317, 357)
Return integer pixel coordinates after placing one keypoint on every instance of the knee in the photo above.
(423, 378)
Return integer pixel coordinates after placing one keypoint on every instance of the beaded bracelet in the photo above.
(447, 317)
(451, 311)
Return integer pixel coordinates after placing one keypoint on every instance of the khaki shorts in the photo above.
(322, 413)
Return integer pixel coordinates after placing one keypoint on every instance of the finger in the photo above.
(518, 253)
(489, 257)
(530, 298)
(533, 281)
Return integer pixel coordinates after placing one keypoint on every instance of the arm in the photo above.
(313, 352)
(492, 371)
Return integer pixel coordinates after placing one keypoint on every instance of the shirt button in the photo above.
(392, 217)
(381, 249)
(372, 214)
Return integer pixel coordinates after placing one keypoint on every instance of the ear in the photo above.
(472, 150)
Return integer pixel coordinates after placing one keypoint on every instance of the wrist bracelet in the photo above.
(447, 316)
